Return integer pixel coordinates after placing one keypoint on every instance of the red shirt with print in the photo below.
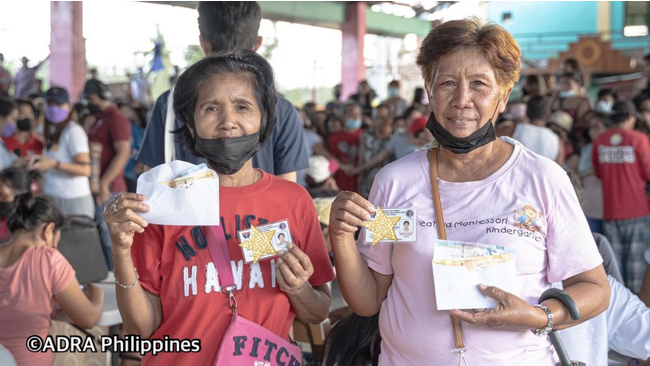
(621, 159)
(32, 146)
(174, 263)
(345, 146)
(110, 128)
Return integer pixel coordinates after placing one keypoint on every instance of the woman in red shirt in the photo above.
(227, 104)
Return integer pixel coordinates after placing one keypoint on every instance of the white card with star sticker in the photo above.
(281, 237)
(405, 228)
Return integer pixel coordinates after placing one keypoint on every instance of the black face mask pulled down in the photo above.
(457, 145)
(228, 156)
(5, 209)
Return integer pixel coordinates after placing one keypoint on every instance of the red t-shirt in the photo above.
(111, 127)
(621, 159)
(31, 147)
(345, 146)
(174, 263)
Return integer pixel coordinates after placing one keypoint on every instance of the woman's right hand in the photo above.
(123, 221)
(349, 211)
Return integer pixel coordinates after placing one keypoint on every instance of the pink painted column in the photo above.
(67, 47)
(352, 67)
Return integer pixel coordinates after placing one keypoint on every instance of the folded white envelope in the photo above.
(197, 205)
(457, 287)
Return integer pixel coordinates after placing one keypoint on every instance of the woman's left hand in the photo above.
(294, 269)
(511, 312)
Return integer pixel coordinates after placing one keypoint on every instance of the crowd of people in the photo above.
(574, 170)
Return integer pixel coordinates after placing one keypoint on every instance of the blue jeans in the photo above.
(104, 235)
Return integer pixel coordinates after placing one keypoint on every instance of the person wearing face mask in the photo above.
(8, 115)
(344, 145)
(606, 99)
(570, 100)
(469, 176)
(23, 142)
(35, 276)
(66, 162)
(227, 104)
(15, 181)
(110, 138)
(403, 142)
(397, 103)
(371, 143)
(336, 106)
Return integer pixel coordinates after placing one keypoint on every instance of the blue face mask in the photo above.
(567, 94)
(353, 124)
(393, 92)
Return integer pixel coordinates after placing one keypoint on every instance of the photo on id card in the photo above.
(281, 237)
(405, 228)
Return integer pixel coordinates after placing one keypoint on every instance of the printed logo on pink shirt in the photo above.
(527, 218)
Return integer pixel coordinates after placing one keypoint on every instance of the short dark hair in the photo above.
(242, 62)
(537, 108)
(28, 102)
(605, 92)
(6, 106)
(228, 26)
(646, 58)
(604, 118)
(574, 75)
(394, 82)
(573, 63)
(30, 212)
(282, 235)
(20, 179)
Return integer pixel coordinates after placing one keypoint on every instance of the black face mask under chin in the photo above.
(457, 145)
(228, 156)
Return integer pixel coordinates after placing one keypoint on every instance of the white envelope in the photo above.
(457, 287)
(197, 205)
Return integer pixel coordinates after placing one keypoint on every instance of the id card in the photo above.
(281, 237)
(405, 228)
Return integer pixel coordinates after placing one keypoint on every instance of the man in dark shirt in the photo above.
(224, 27)
(110, 137)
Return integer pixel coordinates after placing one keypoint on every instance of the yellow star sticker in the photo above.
(382, 227)
(259, 243)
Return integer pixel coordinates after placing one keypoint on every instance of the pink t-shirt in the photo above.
(559, 246)
(27, 290)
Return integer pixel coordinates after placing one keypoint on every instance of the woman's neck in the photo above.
(474, 166)
(244, 177)
(22, 136)
(10, 252)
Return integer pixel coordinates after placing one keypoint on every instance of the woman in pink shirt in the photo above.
(32, 274)
(492, 191)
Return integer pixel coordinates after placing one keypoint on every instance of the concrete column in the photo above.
(67, 47)
(353, 30)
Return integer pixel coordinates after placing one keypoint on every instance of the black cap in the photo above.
(96, 87)
(624, 107)
(57, 94)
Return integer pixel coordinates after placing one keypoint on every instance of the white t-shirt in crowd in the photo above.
(623, 328)
(540, 140)
(73, 141)
(555, 244)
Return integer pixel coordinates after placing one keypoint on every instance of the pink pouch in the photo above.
(246, 343)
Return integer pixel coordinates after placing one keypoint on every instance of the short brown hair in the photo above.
(494, 42)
